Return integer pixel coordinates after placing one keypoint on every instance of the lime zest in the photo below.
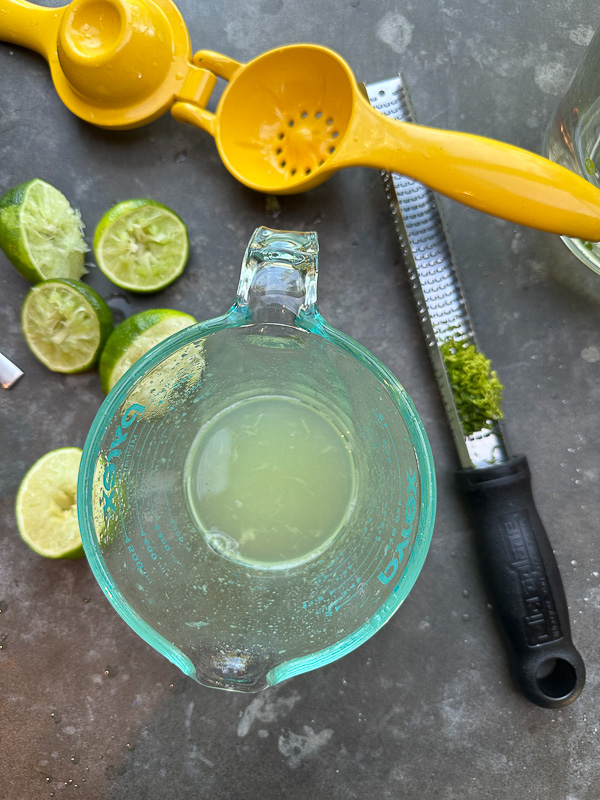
(476, 389)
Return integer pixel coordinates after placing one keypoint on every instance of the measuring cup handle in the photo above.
(222, 66)
(491, 176)
(29, 25)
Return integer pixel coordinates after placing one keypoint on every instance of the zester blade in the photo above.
(442, 309)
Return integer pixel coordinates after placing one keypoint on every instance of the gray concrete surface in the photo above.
(425, 710)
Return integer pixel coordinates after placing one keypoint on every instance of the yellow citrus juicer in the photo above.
(114, 63)
(288, 119)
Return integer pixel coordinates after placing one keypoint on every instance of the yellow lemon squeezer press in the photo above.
(288, 119)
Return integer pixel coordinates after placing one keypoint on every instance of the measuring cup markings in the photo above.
(373, 555)
(157, 519)
(183, 377)
(122, 435)
(159, 533)
(128, 539)
(142, 524)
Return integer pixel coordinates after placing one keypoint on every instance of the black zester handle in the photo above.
(523, 582)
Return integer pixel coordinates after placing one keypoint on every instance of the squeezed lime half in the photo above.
(135, 336)
(141, 245)
(65, 324)
(40, 233)
(46, 508)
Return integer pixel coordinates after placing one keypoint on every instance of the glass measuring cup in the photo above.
(257, 495)
(572, 138)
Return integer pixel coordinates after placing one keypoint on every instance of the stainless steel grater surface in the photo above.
(441, 306)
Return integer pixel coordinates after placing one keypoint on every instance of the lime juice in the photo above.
(270, 481)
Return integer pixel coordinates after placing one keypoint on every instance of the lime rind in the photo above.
(141, 245)
(41, 234)
(45, 506)
(134, 337)
(65, 324)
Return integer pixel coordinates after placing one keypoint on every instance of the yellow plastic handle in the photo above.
(30, 25)
(488, 175)
(222, 66)
(193, 113)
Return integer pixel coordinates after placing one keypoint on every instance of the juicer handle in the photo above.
(491, 176)
(29, 25)
(193, 113)
(523, 582)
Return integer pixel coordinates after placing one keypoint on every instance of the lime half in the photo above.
(134, 337)
(40, 233)
(141, 245)
(46, 509)
(65, 324)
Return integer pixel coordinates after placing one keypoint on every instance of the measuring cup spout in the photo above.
(491, 176)
(29, 25)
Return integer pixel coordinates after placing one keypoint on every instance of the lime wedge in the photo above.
(45, 508)
(141, 245)
(65, 324)
(40, 233)
(134, 337)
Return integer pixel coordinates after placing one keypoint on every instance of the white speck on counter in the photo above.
(396, 31)
(582, 35)
(295, 748)
(590, 354)
(267, 707)
(553, 77)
